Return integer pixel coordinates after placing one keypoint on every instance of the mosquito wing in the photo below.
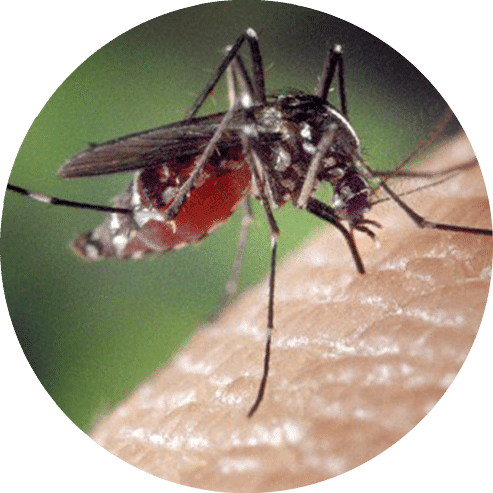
(152, 147)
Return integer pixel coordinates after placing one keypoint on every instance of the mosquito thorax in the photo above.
(301, 120)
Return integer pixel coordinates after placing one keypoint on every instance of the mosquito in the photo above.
(193, 174)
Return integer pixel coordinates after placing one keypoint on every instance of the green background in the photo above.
(93, 331)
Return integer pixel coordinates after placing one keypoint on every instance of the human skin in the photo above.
(357, 360)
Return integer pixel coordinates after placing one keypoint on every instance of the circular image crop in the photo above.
(294, 268)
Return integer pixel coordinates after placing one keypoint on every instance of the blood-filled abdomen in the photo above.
(220, 187)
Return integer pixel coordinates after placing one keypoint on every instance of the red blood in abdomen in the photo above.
(220, 188)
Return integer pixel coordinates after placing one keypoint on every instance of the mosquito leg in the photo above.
(314, 167)
(420, 221)
(256, 165)
(258, 87)
(67, 203)
(185, 189)
(258, 73)
(342, 86)
(231, 87)
(232, 284)
(246, 222)
(238, 76)
(270, 325)
(333, 62)
(242, 77)
(235, 70)
(327, 213)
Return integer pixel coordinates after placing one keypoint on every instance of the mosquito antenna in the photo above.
(426, 174)
(451, 173)
(420, 221)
